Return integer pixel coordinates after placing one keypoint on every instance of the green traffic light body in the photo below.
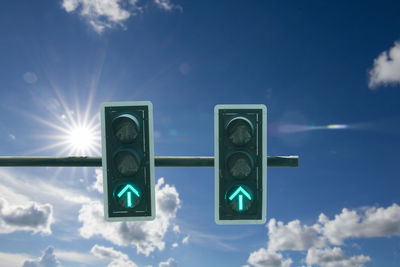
(240, 144)
(128, 161)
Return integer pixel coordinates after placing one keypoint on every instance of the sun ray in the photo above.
(46, 148)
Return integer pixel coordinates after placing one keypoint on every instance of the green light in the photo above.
(240, 202)
(239, 190)
(129, 199)
(128, 186)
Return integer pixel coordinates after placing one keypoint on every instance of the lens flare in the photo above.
(291, 128)
(337, 126)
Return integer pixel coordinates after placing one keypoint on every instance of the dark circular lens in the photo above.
(240, 165)
(240, 131)
(126, 128)
(127, 163)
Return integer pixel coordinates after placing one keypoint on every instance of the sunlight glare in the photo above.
(81, 139)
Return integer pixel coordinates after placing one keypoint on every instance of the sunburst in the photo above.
(73, 133)
(76, 134)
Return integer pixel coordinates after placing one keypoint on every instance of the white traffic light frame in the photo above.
(218, 220)
(151, 161)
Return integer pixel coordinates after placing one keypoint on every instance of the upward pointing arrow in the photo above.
(128, 194)
(240, 192)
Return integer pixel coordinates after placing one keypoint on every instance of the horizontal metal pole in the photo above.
(160, 161)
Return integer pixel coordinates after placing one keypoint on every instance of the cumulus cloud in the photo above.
(32, 217)
(146, 236)
(386, 68)
(363, 223)
(267, 258)
(117, 257)
(98, 184)
(100, 14)
(375, 222)
(334, 257)
(171, 262)
(167, 5)
(293, 236)
(48, 259)
(103, 14)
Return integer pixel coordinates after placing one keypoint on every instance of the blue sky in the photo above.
(313, 64)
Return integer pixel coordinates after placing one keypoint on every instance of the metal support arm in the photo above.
(160, 161)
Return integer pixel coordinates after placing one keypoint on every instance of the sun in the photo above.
(74, 133)
(82, 140)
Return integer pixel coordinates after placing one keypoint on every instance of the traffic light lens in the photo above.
(126, 128)
(240, 198)
(127, 195)
(240, 165)
(127, 163)
(240, 131)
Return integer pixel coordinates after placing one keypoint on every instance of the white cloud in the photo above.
(12, 259)
(267, 258)
(78, 257)
(98, 184)
(100, 14)
(386, 68)
(185, 240)
(146, 236)
(171, 262)
(31, 217)
(20, 187)
(118, 259)
(48, 259)
(39, 189)
(176, 229)
(293, 236)
(175, 245)
(375, 222)
(334, 257)
(11, 196)
(364, 223)
(167, 5)
(106, 14)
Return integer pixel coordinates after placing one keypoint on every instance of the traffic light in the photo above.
(128, 161)
(240, 164)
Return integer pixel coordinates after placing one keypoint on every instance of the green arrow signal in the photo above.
(128, 194)
(240, 192)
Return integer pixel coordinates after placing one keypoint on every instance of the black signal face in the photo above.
(128, 161)
(240, 164)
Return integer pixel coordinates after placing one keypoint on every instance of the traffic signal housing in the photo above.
(240, 144)
(128, 161)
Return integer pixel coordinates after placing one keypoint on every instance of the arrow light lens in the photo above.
(128, 196)
(241, 198)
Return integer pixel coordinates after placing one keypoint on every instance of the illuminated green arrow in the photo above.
(129, 194)
(240, 192)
